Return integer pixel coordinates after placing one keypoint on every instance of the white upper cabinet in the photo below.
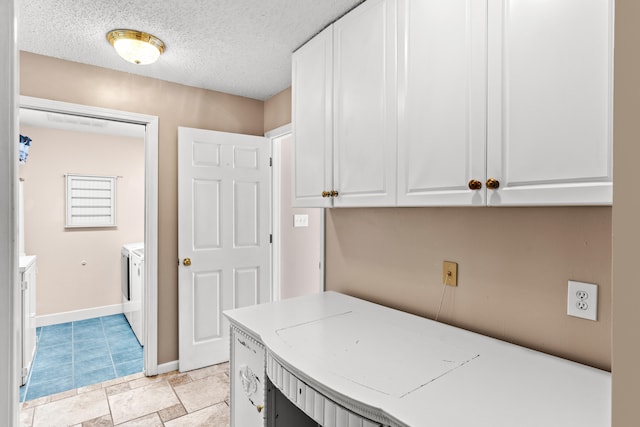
(550, 75)
(365, 100)
(312, 114)
(511, 94)
(344, 111)
(494, 102)
(442, 63)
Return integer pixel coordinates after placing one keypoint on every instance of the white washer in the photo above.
(136, 313)
(130, 302)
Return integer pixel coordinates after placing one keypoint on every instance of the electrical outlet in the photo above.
(582, 300)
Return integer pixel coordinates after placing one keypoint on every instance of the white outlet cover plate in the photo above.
(575, 289)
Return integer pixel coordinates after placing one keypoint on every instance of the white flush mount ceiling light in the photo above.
(136, 47)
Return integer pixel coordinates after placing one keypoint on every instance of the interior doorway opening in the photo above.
(150, 156)
(298, 232)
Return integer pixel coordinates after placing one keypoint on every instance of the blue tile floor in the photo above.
(77, 354)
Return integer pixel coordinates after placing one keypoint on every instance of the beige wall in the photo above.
(175, 105)
(626, 213)
(277, 110)
(64, 283)
(513, 267)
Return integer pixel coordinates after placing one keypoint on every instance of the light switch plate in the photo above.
(300, 220)
(582, 300)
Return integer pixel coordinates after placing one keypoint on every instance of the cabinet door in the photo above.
(365, 105)
(312, 86)
(550, 102)
(247, 381)
(442, 102)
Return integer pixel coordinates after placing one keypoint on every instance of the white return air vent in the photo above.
(91, 201)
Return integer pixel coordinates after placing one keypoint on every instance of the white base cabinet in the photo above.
(336, 361)
(248, 380)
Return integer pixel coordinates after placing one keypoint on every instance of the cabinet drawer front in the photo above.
(310, 401)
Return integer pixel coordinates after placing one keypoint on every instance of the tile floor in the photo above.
(76, 354)
(191, 399)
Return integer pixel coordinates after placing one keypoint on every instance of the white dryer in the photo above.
(132, 277)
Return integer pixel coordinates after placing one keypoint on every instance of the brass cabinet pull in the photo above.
(333, 193)
(187, 262)
(474, 184)
(326, 194)
(493, 183)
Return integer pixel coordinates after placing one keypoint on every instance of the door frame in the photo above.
(9, 293)
(276, 180)
(150, 300)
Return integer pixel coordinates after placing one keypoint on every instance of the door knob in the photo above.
(187, 262)
(333, 193)
(325, 194)
(493, 183)
(474, 184)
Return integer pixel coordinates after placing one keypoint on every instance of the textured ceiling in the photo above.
(242, 47)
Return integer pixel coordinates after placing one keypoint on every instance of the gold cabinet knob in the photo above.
(187, 262)
(333, 193)
(259, 408)
(474, 184)
(493, 184)
(326, 194)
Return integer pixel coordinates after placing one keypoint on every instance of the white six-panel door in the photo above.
(223, 237)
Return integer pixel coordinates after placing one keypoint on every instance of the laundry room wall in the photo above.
(79, 268)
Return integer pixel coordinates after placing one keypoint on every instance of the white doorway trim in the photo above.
(150, 206)
(276, 227)
(9, 293)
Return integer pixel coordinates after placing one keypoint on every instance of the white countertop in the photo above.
(416, 372)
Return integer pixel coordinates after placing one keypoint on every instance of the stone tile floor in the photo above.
(194, 398)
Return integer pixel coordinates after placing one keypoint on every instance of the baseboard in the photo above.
(168, 367)
(74, 316)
